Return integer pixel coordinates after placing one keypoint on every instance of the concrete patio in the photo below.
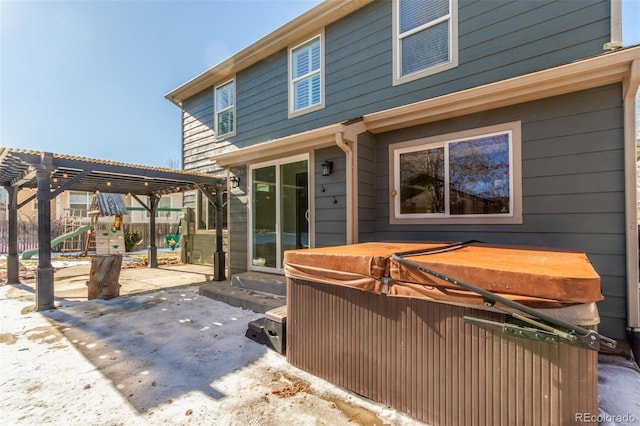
(70, 284)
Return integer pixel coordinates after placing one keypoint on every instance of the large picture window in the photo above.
(467, 177)
(305, 77)
(425, 38)
(225, 109)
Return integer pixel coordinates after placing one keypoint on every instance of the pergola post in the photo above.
(13, 262)
(152, 250)
(218, 256)
(44, 276)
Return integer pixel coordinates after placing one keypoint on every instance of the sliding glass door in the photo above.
(279, 211)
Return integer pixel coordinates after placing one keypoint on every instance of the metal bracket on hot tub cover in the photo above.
(546, 334)
(385, 285)
(565, 332)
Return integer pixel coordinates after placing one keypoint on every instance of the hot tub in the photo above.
(360, 318)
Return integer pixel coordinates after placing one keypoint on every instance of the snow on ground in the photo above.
(166, 357)
(67, 263)
(173, 357)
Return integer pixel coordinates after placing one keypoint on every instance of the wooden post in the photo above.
(44, 274)
(152, 249)
(103, 277)
(13, 263)
(218, 256)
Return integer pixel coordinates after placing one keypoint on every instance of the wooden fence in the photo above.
(28, 235)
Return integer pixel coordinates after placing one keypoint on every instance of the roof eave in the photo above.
(321, 15)
(289, 145)
(584, 74)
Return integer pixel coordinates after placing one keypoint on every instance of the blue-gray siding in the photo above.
(497, 40)
(330, 199)
(367, 170)
(238, 222)
(572, 186)
(572, 153)
(198, 142)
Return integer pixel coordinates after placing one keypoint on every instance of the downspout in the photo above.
(347, 141)
(630, 89)
(351, 194)
(615, 26)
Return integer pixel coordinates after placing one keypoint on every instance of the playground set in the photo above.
(101, 236)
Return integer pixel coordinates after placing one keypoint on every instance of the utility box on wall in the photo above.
(187, 229)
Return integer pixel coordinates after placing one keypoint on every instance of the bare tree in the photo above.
(174, 163)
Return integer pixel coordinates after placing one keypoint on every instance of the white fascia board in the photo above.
(286, 146)
(580, 75)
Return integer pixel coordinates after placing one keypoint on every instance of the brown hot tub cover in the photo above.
(538, 277)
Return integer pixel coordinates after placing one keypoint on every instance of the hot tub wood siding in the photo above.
(420, 357)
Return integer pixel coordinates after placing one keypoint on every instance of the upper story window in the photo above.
(425, 38)
(306, 75)
(225, 109)
(466, 177)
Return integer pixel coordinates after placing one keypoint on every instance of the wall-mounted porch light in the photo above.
(234, 181)
(327, 168)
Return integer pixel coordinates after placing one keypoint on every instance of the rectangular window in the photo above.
(306, 92)
(225, 107)
(79, 203)
(206, 213)
(467, 177)
(163, 203)
(425, 38)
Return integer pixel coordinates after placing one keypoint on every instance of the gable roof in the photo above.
(314, 19)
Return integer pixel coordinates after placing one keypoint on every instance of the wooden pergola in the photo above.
(52, 174)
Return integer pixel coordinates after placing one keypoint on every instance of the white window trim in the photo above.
(232, 108)
(201, 198)
(308, 157)
(398, 78)
(147, 214)
(295, 113)
(89, 200)
(515, 169)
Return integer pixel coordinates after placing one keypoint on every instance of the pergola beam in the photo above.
(24, 179)
(69, 184)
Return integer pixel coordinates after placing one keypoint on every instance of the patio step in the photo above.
(260, 281)
(256, 301)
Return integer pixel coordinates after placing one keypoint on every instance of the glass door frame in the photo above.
(278, 163)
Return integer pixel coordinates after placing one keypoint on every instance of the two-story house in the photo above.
(448, 120)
